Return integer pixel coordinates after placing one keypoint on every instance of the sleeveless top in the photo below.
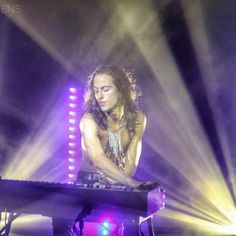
(113, 150)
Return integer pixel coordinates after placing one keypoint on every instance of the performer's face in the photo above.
(106, 93)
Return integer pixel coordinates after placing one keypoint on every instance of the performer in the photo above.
(112, 128)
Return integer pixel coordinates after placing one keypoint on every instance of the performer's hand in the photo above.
(110, 181)
(147, 185)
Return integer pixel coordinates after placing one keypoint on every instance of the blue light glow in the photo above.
(73, 90)
(73, 97)
(72, 121)
(73, 134)
(72, 128)
(73, 105)
(106, 224)
(72, 113)
(72, 144)
(70, 175)
(71, 167)
(105, 232)
(72, 152)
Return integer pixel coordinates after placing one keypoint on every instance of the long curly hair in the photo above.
(126, 84)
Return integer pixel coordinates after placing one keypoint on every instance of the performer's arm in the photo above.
(94, 149)
(134, 149)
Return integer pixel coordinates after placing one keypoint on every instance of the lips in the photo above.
(102, 103)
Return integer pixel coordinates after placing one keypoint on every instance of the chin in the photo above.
(105, 109)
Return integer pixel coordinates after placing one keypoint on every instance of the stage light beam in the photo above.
(183, 142)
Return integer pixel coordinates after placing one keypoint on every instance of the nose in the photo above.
(99, 94)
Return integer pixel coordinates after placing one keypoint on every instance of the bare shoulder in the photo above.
(87, 116)
(141, 123)
(87, 123)
(141, 118)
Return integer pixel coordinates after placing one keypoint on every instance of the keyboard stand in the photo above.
(149, 221)
(5, 230)
(134, 227)
(87, 210)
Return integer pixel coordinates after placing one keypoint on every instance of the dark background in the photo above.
(183, 56)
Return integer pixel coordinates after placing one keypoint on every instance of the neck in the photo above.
(115, 116)
(117, 113)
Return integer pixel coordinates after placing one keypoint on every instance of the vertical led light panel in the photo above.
(73, 154)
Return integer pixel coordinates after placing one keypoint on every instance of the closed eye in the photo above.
(106, 89)
(103, 89)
